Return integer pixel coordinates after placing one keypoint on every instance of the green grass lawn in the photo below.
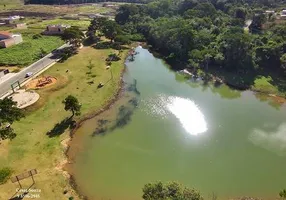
(9, 4)
(83, 24)
(27, 52)
(56, 10)
(33, 148)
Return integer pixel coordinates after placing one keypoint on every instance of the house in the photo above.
(283, 14)
(8, 39)
(55, 29)
(20, 26)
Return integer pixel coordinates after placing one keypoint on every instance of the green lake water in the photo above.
(164, 127)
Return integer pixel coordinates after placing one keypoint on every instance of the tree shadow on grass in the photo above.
(60, 127)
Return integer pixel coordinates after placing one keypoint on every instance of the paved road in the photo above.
(41, 64)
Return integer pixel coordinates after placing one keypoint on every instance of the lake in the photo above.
(223, 142)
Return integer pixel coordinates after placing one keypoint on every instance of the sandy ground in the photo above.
(25, 98)
(33, 83)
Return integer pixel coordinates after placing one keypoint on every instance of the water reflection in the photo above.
(189, 114)
(271, 140)
(185, 110)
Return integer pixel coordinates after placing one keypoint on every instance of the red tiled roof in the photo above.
(5, 33)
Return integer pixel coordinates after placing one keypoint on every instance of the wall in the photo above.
(17, 38)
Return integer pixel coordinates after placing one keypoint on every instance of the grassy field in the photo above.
(38, 143)
(83, 24)
(66, 9)
(53, 9)
(10, 4)
(28, 51)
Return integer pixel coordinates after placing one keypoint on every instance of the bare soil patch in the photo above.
(25, 98)
(41, 82)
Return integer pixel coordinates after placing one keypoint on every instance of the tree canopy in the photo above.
(210, 34)
(171, 190)
(73, 35)
(72, 104)
(8, 114)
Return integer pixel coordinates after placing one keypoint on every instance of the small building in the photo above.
(270, 12)
(283, 14)
(55, 29)
(8, 39)
(20, 26)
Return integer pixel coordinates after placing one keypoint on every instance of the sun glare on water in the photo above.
(189, 115)
(185, 110)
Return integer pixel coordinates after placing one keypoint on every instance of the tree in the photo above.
(282, 194)
(95, 26)
(71, 104)
(236, 49)
(110, 29)
(240, 13)
(124, 12)
(283, 62)
(171, 190)
(257, 22)
(8, 114)
(90, 66)
(73, 35)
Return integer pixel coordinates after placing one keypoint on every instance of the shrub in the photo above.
(122, 39)
(116, 45)
(102, 45)
(113, 57)
(137, 38)
(5, 174)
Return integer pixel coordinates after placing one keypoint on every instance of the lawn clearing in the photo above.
(28, 51)
(83, 24)
(34, 147)
(9, 4)
(59, 10)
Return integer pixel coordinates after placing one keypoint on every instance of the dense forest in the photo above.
(213, 36)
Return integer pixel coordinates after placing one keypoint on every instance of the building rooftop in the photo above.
(6, 33)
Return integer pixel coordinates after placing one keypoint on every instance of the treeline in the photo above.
(209, 35)
(51, 2)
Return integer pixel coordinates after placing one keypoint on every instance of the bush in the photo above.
(122, 39)
(102, 45)
(137, 38)
(116, 45)
(113, 57)
(5, 174)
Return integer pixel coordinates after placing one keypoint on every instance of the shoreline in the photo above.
(67, 142)
(277, 97)
(109, 103)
